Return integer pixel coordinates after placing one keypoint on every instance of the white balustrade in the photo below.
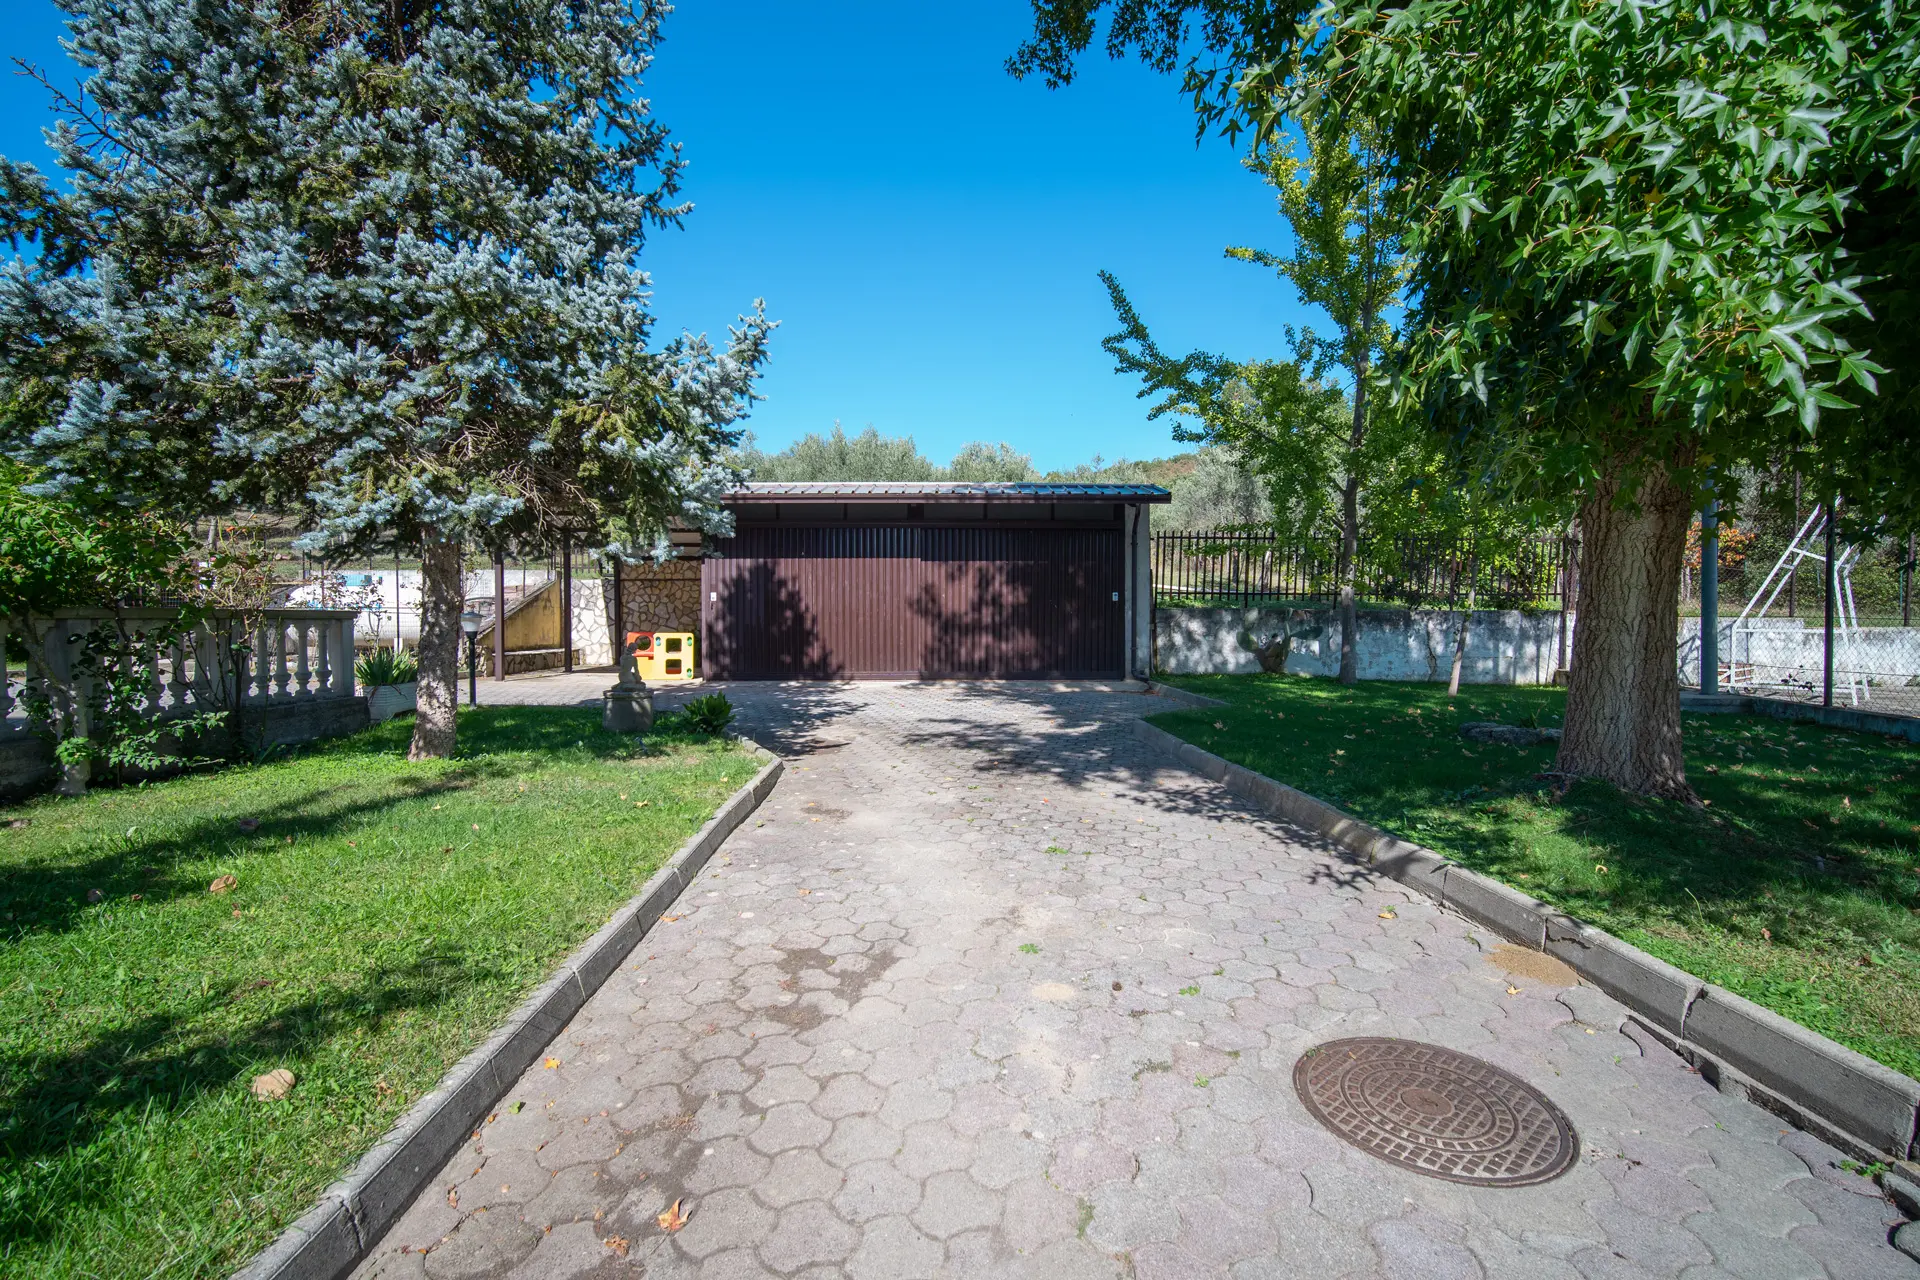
(295, 655)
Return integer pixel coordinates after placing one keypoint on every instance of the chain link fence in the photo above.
(1784, 634)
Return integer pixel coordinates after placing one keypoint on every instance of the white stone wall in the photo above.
(1503, 646)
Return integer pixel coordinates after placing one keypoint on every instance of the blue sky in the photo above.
(926, 228)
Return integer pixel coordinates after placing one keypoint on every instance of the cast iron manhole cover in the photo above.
(1436, 1112)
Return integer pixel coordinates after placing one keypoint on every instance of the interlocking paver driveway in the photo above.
(987, 988)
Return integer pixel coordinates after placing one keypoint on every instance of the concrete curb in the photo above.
(1907, 727)
(1184, 697)
(1800, 1075)
(351, 1215)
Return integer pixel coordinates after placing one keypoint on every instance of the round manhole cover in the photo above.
(1436, 1112)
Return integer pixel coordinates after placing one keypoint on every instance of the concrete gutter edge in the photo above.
(1801, 1076)
(350, 1216)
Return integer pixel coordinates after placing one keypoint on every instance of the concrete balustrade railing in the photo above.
(291, 669)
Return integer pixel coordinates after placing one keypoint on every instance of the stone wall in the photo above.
(660, 597)
(1503, 646)
(26, 758)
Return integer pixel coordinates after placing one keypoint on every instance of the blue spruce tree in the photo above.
(375, 264)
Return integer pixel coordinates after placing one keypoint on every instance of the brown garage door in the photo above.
(904, 601)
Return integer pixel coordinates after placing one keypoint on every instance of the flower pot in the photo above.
(389, 700)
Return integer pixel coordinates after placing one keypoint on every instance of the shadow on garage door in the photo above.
(905, 601)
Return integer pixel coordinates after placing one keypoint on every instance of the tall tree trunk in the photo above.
(441, 600)
(1350, 507)
(1466, 617)
(1623, 694)
(1348, 569)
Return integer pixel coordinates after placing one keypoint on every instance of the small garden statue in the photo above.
(629, 704)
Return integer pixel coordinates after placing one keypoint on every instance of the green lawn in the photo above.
(386, 917)
(1798, 886)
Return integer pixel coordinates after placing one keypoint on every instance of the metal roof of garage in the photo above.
(844, 491)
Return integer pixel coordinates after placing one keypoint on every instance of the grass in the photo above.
(1797, 886)
(386, 917)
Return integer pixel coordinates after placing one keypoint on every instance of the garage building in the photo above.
(932, 580)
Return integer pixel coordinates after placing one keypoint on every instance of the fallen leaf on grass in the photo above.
(248, 824)
(616, 1243)
(20, 824)
(94, 895)
(642, 804)
(236, 913)
(222, 884)
(671, 1219)
(276, 1083)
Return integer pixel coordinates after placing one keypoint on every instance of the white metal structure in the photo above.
(1753, 669)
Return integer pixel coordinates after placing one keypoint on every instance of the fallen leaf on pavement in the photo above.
(222, 884)
(276, 1083)
(616, 1243)
(551, 1063)
(516, 1107)
(1513, 991)
(1389, 914)
(671, 1219)
(453, 1197)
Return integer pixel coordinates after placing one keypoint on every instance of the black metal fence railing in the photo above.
(1237, 567)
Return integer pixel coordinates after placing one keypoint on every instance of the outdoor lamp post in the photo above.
(470, 623)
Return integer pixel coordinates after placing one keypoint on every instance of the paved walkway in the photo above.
(988, 989)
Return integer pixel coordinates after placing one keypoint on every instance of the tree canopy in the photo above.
(374, 264)
(1675, 232)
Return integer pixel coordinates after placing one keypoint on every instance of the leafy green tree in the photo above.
(1638, 232)
(53, 556)
(871, 456)
(981, 463)
(375, 264)
(1307, 421)
(1221, 491)
(839, 457)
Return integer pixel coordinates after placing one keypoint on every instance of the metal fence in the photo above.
(1261, 567)
(1779, 636)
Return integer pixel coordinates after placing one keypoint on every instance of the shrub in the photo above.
(711, 714)
(385, 666)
